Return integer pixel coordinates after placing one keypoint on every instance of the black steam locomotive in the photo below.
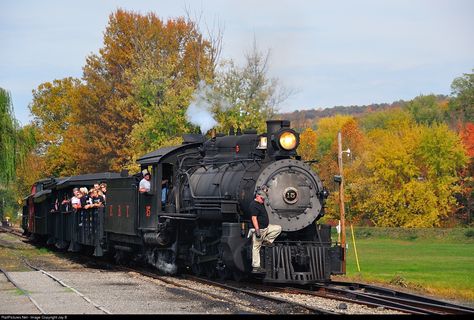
(198, 220)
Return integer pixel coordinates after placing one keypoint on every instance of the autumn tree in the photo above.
(141, 85)
(354, 140)
(132, 96)
(308, 144)
(467, 137)
(326, 132)
(56, 110)
(411, 175)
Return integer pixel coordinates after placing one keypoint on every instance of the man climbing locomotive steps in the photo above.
(263, 233)
(212, 192)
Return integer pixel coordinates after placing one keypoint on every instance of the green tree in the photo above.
(425, 109)
(461, 105)
(8, 138)
(385, 119)
(246, 96)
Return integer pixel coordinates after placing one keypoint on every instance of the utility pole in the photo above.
(341, 202)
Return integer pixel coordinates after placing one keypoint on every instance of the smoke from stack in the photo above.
(199, 111)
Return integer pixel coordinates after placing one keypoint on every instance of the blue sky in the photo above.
(328, 52)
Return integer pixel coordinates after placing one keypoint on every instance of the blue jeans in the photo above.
(163, 195)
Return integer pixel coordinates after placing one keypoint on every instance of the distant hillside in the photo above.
(307, 118)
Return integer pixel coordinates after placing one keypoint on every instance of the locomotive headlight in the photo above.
(288, 140)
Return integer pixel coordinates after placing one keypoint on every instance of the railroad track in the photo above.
(23, 291)
(38, 306)
(369, 295)
(297, 307)
(389, 298)
(358, 293)
(26, 293)
(12, 231)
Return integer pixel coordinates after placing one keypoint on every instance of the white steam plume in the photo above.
(199, 111)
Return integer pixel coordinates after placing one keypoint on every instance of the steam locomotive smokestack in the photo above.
(275, 125)
(231, 131)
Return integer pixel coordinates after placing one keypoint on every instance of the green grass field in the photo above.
(436, 261)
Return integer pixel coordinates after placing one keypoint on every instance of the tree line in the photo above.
(410, 165)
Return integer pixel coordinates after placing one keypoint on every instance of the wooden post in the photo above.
(341, 202)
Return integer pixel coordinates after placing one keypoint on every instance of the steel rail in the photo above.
(68, 287)
(173, 283)
(391, 298)
(23, 291)
(260, 295)
(375, 290)
(228, 287)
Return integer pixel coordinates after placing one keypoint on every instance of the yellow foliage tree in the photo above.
(308, 144)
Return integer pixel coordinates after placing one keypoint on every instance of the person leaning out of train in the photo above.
(95, 201)
(103, 190)
(145, 185)
(265, 233)
(76, 199)
(85, 197)
(101, 196)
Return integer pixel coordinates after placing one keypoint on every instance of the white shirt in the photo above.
(75, 200)
(145, 184)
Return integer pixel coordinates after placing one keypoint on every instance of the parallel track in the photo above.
(15, 232)
(389, 298)
(369, 295)
(23, 292)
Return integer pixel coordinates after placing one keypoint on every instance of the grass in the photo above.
(436, 261)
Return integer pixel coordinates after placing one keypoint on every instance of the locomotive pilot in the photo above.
(265, 233)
